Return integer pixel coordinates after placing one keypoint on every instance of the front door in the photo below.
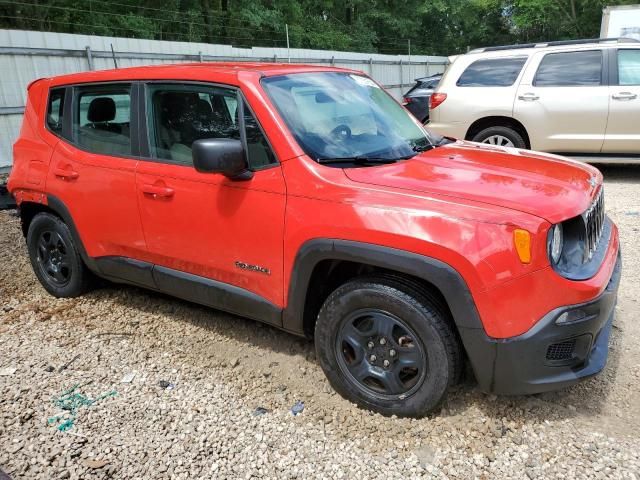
(564, 105)
(204, 230)
(623, 128)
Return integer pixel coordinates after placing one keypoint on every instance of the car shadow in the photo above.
(587, 397)
(620, 173)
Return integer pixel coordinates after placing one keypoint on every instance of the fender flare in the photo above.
(480, 349)
(444, 277)
(59, 207)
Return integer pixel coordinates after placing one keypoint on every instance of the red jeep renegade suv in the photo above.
(309, 199)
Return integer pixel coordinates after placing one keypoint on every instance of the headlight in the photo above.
(555, 246)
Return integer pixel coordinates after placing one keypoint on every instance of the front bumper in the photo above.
(548, 356)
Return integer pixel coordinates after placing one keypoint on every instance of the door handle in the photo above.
(624, 96)
(65, 174)
(157, 191)
(528, 97)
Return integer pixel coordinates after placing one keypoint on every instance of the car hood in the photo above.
(548, 186)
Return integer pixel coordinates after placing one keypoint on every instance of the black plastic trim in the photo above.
(135, 272)
(441, 275)
(518, 365)
(58, 206)
(219, 295)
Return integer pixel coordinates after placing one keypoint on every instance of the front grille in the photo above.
(561, 351)
(594, 219)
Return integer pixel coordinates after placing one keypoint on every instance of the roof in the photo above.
(587, 44)
(192, 71)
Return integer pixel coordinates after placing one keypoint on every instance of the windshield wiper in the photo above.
(358, 160)
(423, 148)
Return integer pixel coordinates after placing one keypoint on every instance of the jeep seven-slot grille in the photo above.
(561, 351)
(594, 222)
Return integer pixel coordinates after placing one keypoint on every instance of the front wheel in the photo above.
(388, 345)
(500, 136)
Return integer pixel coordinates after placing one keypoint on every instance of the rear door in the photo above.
(93, 166)
(563, 101)
(623, 128)
(204, 231)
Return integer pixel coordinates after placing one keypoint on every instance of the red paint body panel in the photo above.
(459, 204)
(209, 222)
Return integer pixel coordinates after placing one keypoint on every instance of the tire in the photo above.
(414, 324)
(55, 258)
(503, 133)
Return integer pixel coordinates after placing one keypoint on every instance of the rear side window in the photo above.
(570, 69)
(102, 120)
(629, 67)
(55, 110)
(492, 72)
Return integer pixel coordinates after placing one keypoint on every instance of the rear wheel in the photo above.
(55, 258)
(387, 345)
(500, 136)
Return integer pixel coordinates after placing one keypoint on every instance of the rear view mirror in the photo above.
(220, 155)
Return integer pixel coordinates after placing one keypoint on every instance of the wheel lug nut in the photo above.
(385, 363)
(370, 344)
(392, 353)
(373, 358)
(383, 341)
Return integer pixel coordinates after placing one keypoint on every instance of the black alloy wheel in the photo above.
(53, 258)
(388, 344)
(380, 353)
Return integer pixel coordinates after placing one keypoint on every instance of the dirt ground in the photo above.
(221, 368)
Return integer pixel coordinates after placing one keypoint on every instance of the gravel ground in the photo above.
(223, 367)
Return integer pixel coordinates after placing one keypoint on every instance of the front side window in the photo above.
(55, 110)
(102, 120)
(629, 67)
(570, 69)
(336, 116)
(492, 72)
(181, 114)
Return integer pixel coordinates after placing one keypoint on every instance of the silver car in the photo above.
(580, 98)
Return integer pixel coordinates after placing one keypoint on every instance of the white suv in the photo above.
(579, 97)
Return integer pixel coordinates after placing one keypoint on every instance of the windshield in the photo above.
(343, 116)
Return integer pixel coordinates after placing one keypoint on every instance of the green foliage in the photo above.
(443, 27)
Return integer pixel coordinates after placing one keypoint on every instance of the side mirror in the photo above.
(220, 155)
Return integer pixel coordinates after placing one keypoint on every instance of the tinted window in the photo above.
(101, 121)
(629, 67)
(492, 72)
(54, 110)
(571, 68)
(182, 114)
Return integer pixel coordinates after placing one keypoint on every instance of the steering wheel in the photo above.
(341, 132)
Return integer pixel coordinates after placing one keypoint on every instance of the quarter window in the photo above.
(570, 69)
(492, 72)
(181, 114)
(102, 120)
(55, 110)
(629, 67)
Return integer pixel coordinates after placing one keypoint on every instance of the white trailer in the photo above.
(621, 21)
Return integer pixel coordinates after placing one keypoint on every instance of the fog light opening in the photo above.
(572, 316)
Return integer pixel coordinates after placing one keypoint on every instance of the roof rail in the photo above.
(555, 44)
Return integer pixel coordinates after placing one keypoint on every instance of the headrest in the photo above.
(101, 109)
